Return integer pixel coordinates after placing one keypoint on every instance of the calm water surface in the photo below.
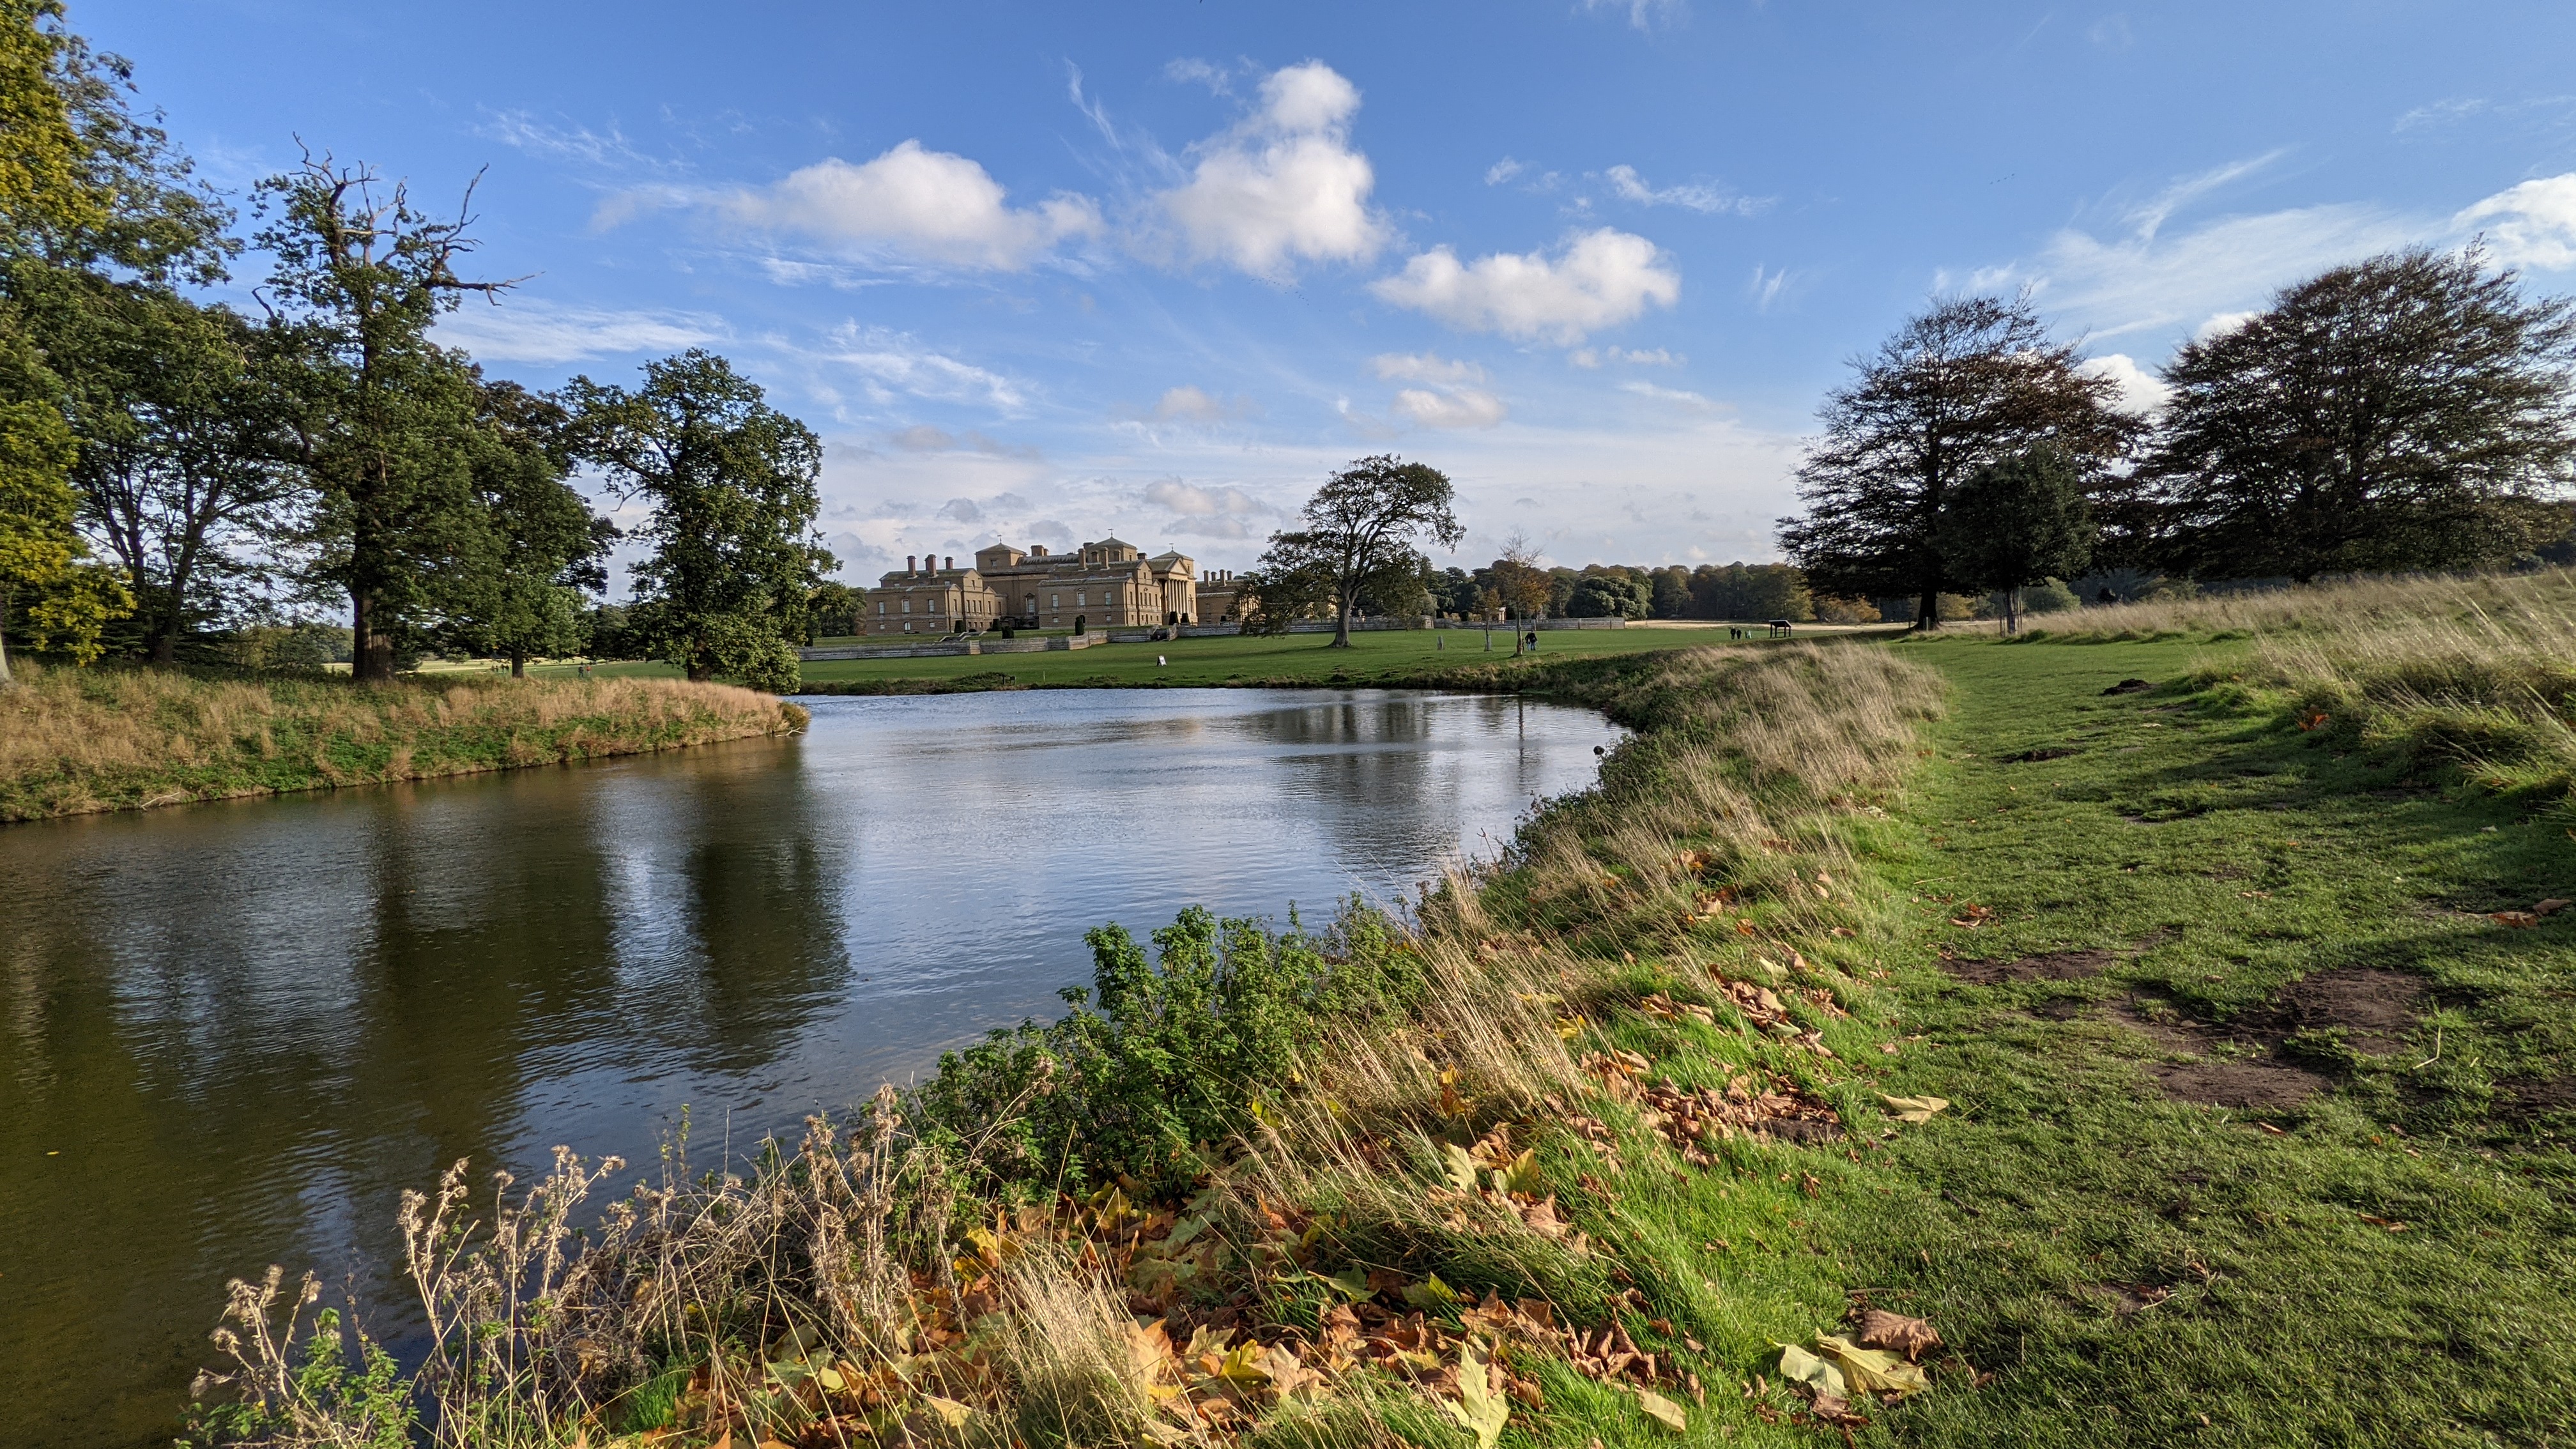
(230, 1035)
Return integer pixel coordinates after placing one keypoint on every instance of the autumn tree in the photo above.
(2410, 411)
(1967, 382)
(1358, 535)
(2015, 522)
(732, 484)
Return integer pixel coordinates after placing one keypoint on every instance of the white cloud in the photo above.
(1462, 407)
(1284, 186)
(1645, 14)
(1689, 401)
(1424, 367)
(1191, 404)
(895, 363)
(1634, 356)
(2530, 225)
(932, 206)
(546, 332)
(1698, 196)
(2220, 324)
(1502, 171)
(1190, 70)
(1192, 501)
(1599, 279)
(1768, 287)
(605, 150)
(2139, 282)
(2141, 391)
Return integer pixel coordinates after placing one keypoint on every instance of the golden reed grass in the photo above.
(80, 740)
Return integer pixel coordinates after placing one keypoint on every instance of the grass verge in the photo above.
(83, 740)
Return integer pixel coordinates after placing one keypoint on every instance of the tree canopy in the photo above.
(2015, 522)
(2410, 411)
(732, 482)
(1357, 538)
(1967, 382)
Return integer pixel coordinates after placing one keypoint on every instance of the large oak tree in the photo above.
(1968, 382)
(1357, 539)
(2406, 412)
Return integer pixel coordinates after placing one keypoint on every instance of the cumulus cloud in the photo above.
(1424, 367)
(1698, 196)
(1206, 512)
(1598, 279)
(1285, 185)
(544, 332)
(2530, 225)
(2220, 324)
(932, 206)
(1462, 407)
(2141, 391)
(960, 510)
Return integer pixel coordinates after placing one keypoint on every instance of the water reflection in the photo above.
(231, 1035)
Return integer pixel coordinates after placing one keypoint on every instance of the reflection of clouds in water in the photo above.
(265, 1019)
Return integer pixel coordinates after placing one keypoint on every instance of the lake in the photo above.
(232, 1034)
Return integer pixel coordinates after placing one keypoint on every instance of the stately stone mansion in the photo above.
(1108, 584)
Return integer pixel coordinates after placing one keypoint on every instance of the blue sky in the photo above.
(1042, 272)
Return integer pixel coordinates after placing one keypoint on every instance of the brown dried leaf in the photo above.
(1908, 1336)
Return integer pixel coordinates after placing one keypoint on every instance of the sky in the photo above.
(1045, 272)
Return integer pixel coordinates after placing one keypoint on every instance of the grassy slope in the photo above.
(2223, 855)
(123, 738)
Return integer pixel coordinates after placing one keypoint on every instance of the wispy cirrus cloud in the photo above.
(528, 329)
(1706, 198)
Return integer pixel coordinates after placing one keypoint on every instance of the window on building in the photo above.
(880, 607)
(1055, 601)
(1077, 601)
(907, 606)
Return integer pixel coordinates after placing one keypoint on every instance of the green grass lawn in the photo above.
(1374, 657)
(2283, 1160)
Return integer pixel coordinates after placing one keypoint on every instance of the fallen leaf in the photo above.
(950, 1412)
(1908, 1336)
(1871, 1370)
(1430, 1293)
(2551, 907)
(1913, 1109)
(1460, 1167)
(1663, 1411)
(1799, 1366)
(1479, 1410)
(2523, 919)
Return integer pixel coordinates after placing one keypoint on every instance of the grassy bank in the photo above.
(80, 740)
(2195, 1072)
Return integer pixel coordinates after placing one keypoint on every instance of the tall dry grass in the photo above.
(80, 740)
(2365, 603)
(867, 1292)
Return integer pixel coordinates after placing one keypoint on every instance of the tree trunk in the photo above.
(1927, 610)
(5, 680)
(1342, 623)
(2012, 610)
(518, 664)
(371, 654)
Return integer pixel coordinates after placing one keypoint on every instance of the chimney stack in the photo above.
(911, 565)
(948, 561)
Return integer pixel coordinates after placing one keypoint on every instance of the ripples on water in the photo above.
(243, 1029)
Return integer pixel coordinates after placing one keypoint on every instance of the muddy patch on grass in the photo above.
(2528, 1097)
(2376, 1010)
(2033, 757)
(2047, 966)
(2232, 1066)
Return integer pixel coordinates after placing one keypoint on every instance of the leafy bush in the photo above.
(1161, 1062)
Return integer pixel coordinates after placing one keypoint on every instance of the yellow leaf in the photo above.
(1799, 1366)
(1519, 1175)
(1351, 1283)
(830, 1379)
(1479, 1410)
(1460, 1168)
(1913, 1109)
(1873, 1370)
(1430, 1293)
(950, 1412)
(1244, 1364)
(1569, 1027)
(1663, 1410)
